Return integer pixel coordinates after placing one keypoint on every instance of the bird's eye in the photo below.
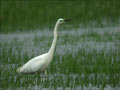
(62, 20)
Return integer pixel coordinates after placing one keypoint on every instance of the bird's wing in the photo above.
(34, 65)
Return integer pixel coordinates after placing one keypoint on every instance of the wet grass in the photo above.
(17, 15)
(78, 62)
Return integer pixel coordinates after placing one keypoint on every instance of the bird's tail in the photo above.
(19, 69)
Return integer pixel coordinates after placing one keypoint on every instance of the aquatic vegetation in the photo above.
(17, 15)
(87, 60)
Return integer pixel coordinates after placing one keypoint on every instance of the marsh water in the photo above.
(85, 59)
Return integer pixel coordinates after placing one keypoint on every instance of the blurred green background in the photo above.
(25, 15)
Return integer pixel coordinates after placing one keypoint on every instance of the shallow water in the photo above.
(96, 43)
(90, 87)
(37, 42)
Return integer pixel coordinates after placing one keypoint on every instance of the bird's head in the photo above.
(60, 21)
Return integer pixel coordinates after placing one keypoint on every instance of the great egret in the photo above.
(40, 63)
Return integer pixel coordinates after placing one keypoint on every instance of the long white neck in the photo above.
(52, 49)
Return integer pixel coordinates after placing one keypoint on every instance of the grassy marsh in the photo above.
(87, 55)
(30, 15)
(78, 63)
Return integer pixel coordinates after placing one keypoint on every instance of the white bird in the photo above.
(41, 62)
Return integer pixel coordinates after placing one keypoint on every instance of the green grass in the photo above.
(106, 71)
(73, 65)
(27, 15)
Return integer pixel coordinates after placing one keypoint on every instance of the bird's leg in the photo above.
(46, 72)
(45, 76)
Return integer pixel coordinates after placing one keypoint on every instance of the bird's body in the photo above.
(40, 63)
(37, 64)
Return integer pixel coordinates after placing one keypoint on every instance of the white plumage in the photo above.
(40, 63)
(37, 64)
